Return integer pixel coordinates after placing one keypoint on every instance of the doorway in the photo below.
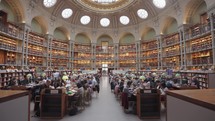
(104, 69)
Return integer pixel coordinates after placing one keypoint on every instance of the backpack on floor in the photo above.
(73, 111)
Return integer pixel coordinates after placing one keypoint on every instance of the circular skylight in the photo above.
(49, 3)
(104, 1)
(159, 3)
(142, 13)
(105, 22)
(85, 20)
(124, 20)
(66, 13)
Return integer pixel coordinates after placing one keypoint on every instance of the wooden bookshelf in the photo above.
(82, 63)
(34, 61)
(59, 63)
(36, 39)
(11, 58)
(13, 30)
(173, 62)
(104, 56)
(200, 58)
(149, 54)
(127, 56)
(202, 43)
(82, 56)
(82, 48)
(127, 63)
(6, 75)
(171, 39)
(59, 53)
(7, 43)
(99, 49)
(150, 63)
(127, 48)
(199, 52)
(149, 45)
(36, 50)
(171, 51)
(205, 78)
(60, 45)
(100, 62)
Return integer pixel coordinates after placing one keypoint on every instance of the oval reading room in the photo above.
(107, 60)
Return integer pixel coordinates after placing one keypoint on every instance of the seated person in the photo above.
(195, 82)
(46, 85)
(163, 88)
(12, 82)
(128, 89)
(23, 80)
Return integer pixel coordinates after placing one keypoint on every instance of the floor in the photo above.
(105, 107)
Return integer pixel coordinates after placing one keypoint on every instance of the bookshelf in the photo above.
(199, 52)
(35, 50)
(13, 30)
(82, 64)
(149, 54)
(60, 45)
(127, 56)
(36, 39)
(149, 63)
(109, 49)
(35, 61)
(104, 55)
(11, 58)
(170, 40)
(57, 63)
(171, 55)
(6, 75)
(127, 48)
(7, 43)
(149, 45)
(82, 56)
(59, 54)
(82, 48)
(173, 62)
(205, 78)
(148, 104)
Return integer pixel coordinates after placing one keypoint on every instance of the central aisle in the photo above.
(103, 108)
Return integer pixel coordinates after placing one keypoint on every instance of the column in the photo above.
(116, 56)
(72, 54)
(49, 39)
(93, 56)
(159, 47)
(137, 55)
(26, 29)
(182, 46)
(211, 16)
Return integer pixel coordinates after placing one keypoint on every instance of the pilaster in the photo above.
(49, 39)
(116, 56)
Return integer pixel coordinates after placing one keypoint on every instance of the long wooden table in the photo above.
(14, 105)
(191, 105)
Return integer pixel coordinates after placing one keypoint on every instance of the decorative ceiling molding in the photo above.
(104, 8)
